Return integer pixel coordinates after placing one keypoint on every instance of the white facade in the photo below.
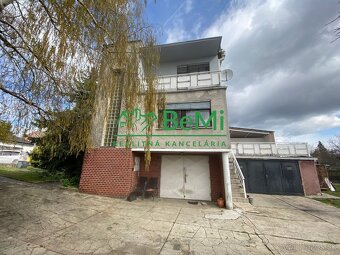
(25, 147)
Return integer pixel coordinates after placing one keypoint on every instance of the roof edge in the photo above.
(250, 129)
(190, 41)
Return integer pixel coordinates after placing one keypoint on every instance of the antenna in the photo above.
(226, 75)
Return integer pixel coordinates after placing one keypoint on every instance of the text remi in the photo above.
(171, 121)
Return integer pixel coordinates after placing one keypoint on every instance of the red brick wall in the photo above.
(216, 176)
(309, 177)
(108, 171)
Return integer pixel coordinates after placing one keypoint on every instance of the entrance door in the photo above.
(185, 177)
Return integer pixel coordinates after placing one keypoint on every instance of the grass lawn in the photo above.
(336, 192)
(330, 201)
(33, 175)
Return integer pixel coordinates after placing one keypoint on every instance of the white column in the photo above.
(227, 181)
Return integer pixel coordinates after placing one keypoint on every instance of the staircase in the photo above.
(236, 184)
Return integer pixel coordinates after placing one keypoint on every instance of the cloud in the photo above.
(175, 34)
(286, 70)
(312, 124)
(174, 25)
(188, 6)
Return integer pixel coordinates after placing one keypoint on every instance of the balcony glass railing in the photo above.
(190, 80)
(270, 149)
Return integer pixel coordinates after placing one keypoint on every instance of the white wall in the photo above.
(18, 146)
(170, 68)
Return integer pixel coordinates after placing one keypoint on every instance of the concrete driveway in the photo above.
(43, 219)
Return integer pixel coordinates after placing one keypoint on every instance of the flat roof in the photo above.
(237, 132)
(193, 49)
(252, 129)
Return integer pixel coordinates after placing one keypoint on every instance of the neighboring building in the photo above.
(17, 144)
(274, 168)
(15, 150)
(193, 162)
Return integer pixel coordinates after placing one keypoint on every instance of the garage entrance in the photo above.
(185, 176)
(271, 176)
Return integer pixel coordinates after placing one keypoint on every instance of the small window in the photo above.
(193, 68)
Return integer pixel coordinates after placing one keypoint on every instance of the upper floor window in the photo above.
(180, 110)
(193, 68)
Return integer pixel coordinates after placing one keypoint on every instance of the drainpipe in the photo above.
(227, 182)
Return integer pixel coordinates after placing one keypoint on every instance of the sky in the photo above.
(285, 61)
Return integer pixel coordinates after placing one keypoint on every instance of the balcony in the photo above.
(270, 149)
(190, 81)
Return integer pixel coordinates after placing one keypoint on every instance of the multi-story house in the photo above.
(192, 154)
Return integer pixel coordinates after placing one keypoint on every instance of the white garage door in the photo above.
(185, 177)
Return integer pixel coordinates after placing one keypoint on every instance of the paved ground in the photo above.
(43, 219)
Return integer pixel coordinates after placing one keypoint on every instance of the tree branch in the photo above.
(45, 69)
(16, 64)
(94, 19)
(49, 15)
(23, 99)
(9, 45)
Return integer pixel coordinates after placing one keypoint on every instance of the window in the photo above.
(205, 116)
(193, 68)
(187, 109)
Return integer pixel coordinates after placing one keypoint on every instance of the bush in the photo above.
(36, 157)
(71, 182)
(67, 168)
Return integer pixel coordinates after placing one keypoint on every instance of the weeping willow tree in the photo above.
(47, 47)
